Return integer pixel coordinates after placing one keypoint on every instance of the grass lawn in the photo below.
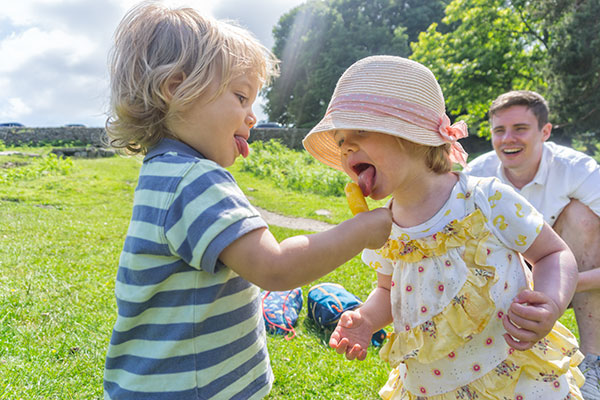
(60, 239)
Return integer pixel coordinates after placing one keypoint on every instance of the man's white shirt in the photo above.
(563, 174)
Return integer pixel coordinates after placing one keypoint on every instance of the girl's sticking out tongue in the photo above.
(242, 146)
(366, 179)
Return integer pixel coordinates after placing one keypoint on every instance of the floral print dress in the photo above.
(453, 278)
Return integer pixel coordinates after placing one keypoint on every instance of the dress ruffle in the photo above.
(547, 361)
(455, 234)
(467, 313)
(555, 354)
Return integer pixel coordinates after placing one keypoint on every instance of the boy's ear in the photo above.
(170, 86)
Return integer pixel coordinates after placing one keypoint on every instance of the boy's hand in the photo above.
(351, 336)
(530, 318)
(377, 225)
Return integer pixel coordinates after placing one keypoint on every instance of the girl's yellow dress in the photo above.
(453, 278)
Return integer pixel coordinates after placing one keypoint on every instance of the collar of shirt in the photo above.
(170, 145)
(540, 176)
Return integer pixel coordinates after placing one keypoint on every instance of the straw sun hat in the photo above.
(391, 95)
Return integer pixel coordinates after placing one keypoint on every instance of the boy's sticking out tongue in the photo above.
(366, 179)
(242, 146)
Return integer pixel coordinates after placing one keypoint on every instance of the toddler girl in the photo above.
(470, 322)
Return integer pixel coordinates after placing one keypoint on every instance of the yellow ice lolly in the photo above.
(356, 200)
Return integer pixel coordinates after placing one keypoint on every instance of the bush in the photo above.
(46, 165)
(295, 170)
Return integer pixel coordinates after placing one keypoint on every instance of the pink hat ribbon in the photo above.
(409, 112)
(450, 134)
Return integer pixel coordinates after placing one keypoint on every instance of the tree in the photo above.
(488, 48)
(573, 64)
(417, 15)
(290, 100)
(318, 40)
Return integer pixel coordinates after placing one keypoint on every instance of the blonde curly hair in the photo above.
(163, 59)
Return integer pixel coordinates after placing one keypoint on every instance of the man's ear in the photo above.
(546, 130)
(170, 86)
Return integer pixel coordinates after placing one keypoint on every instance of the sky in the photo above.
(53, 53)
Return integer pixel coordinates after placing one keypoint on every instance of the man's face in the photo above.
(518, 141)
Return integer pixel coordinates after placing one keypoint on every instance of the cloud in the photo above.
(259, 17)
(24, 48)
(13, 106)
(53, 68)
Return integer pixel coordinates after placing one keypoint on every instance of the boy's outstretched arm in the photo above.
(532, 314)
(298, 260)
(353, 333)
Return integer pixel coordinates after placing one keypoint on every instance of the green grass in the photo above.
(60, 238)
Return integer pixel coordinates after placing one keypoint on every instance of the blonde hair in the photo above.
(437, 158)
(156, 46)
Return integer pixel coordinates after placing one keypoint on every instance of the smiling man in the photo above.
(564, 185)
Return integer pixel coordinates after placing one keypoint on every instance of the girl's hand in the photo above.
(530, 318)
(376, 225)
(352, 336)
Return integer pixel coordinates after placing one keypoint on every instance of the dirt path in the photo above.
(294, 223)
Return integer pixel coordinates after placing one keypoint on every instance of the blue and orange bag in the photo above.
(280, 311)
(328, 301)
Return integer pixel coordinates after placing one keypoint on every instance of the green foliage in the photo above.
(295, 170)
(479, 50)
(587, 143)
(62, 143)
(573, 37)
(49, 164)
(484, 48)
(417, 15)
(318, 40)
(487, 50)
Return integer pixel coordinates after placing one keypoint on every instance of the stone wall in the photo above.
(82, 136)
(53, 136)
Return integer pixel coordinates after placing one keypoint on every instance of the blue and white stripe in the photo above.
(188, 327)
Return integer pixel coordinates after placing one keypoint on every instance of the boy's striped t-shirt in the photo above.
(188, 327)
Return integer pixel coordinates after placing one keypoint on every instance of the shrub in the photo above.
(291, 169)
(46, 165)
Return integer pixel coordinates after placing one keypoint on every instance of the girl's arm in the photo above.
(532, 314)
(298, 260)
(589, 280)
(554, 267)
(353, 333)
